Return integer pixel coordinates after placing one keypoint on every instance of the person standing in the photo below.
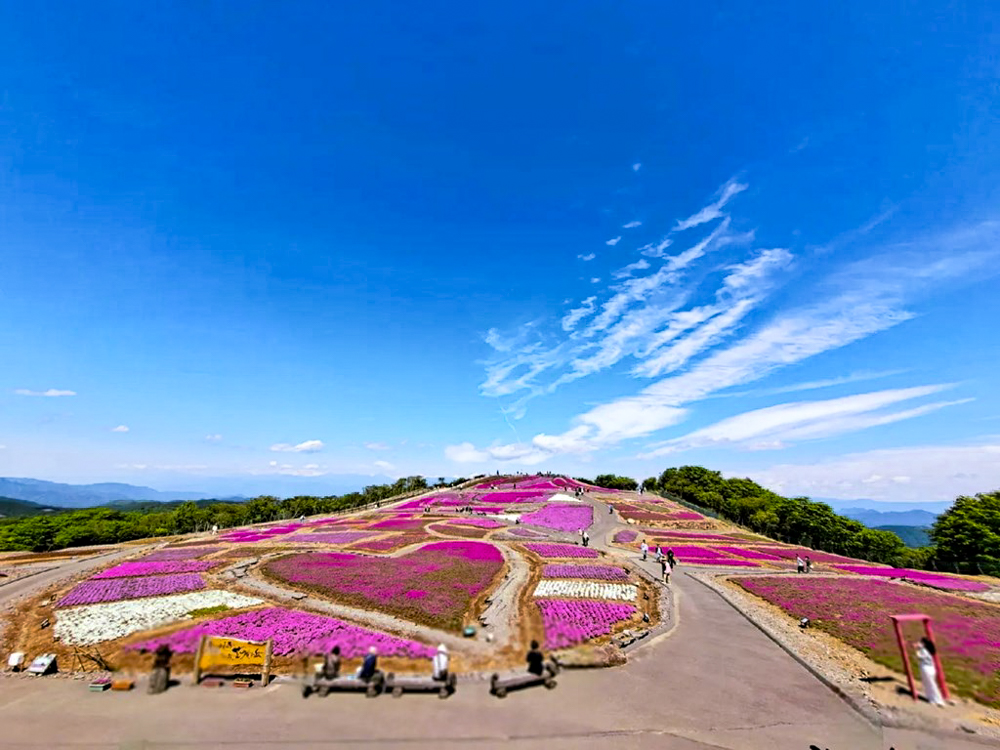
(644, 548)
(586, 538)
(671, 559)
(928, 670)
(659, 553)
(809, 565)
(439, 664)
(800, 564)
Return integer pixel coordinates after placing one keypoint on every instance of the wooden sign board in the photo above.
(216, 652)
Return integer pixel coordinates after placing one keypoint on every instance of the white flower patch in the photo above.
(95, 623)
(625, 592)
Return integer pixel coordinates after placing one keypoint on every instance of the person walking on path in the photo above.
(800, 564)
(928, 671)
(644, 548)
(659, 553)
(809, 565)
(670, 558)
(586, 538)
(665, 569)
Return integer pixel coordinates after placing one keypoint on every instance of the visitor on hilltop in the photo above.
(369, 667)
(659, 553)
(644, 548)
(800, 564)
(586, 538)
(331, 664)
(536, 660)
(809, 565)
(439, 664)
(928, 670)
(670, 558)
(665, 569)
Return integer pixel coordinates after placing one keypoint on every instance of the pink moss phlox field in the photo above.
(729, 562)
(293, 632)
(389, 543)
(790, 553)
(513, 497)
(119, 589)
(750, 554)
(625, 536)
(680, 536)
(856, 610)
(332, 537)
(685, 551)
(398, 524)
(570, 622)
(481, 523)
(487, 509)
(186, 553)
(590, 572)
(560, 550)
(260, 533)
(528, 533)
(156, 567)
(568, 517)
(935, 580)
(434, 584)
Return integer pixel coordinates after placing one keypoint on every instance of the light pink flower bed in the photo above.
(568, 517)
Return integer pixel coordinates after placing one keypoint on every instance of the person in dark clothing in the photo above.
(670, 558)
(369, 666)
(331, 664)
(535, 659)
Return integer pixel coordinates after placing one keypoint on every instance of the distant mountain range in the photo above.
(13, 508)
(60, 495)
(84, 495)
(876, 518)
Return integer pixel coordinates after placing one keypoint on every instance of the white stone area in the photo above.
(625, 592)
(96, 623)
(559, 497)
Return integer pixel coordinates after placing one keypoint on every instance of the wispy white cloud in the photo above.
(216, 438)
(309, 446)
(587, 257)
(712, 211)
(637, 166)
(613, 241)
(120, 428)
(384, 465)
(577, 314)
(640, 265)
(50, 393)
(815, 385)
(632, 225)
(784, 424)
(920, 473)
(595, 280)
(377, 446)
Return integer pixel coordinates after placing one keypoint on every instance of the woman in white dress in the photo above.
(928, 671)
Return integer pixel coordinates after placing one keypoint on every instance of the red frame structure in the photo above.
(897, 621)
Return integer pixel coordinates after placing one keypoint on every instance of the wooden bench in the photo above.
(500, 686)
(399, 685)
(322, 686)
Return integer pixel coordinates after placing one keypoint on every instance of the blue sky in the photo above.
(249, 243)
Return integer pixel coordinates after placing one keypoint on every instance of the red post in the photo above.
(937, 660)
(906, 657)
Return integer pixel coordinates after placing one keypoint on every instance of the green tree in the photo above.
(967, 535)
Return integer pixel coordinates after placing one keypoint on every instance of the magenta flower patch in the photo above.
(934, 580)
(293, 632)
(331, 537)
(560, 550)
(569, 622)
(119, 589)
(147, 568)
(180, 553)
(625, 536)
(569, 517)
(449, 575)
(749, 554)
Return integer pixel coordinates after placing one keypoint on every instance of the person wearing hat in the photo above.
(439, 664)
